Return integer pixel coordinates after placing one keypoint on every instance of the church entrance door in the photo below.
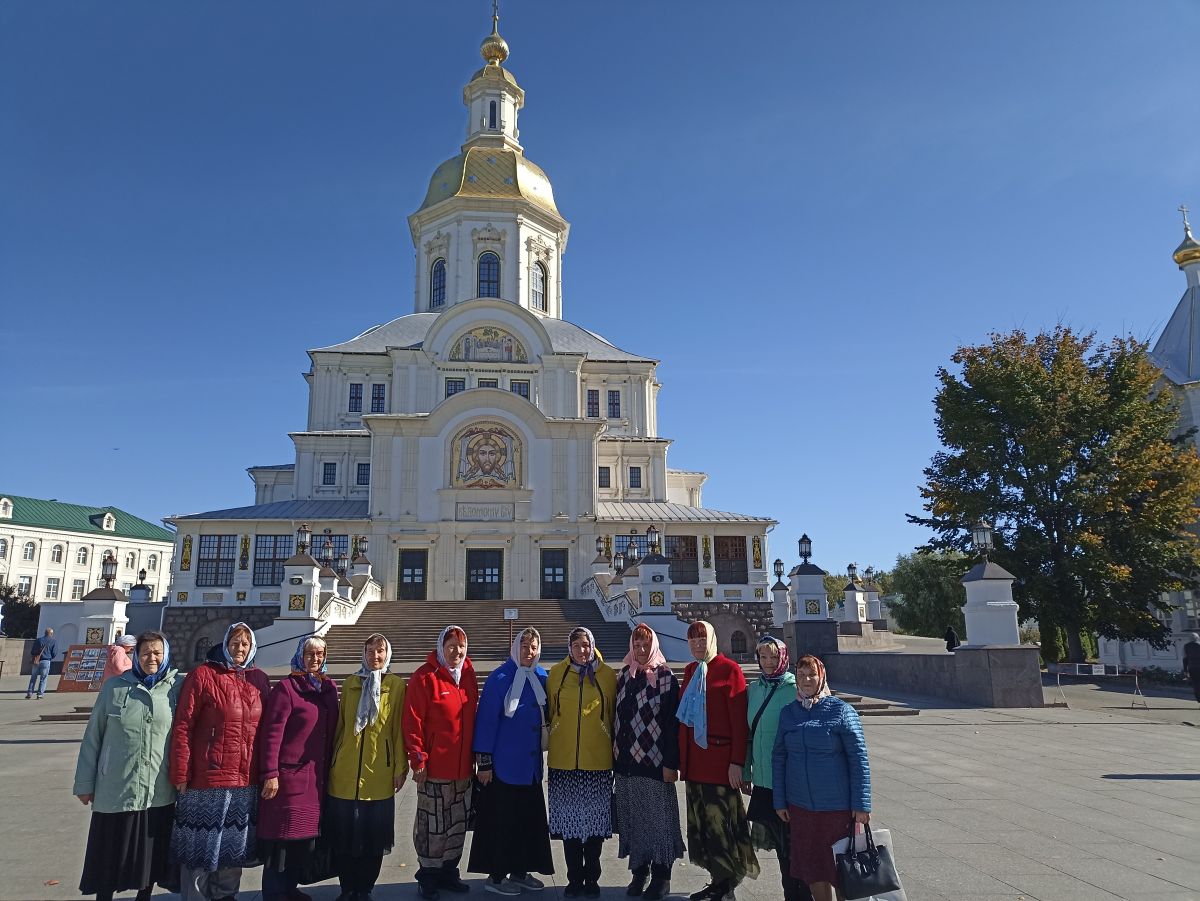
(485, 574)
(554, 573)
(413, 568)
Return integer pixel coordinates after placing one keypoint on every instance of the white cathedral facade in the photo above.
(485, 447)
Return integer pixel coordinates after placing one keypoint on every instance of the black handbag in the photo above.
(868, 872)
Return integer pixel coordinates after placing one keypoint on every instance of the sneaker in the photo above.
(28, 697)
(502, 887)
(450, 882)
(527, 882)
(40, 697)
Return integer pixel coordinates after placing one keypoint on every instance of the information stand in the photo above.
(1099, 670)
(83, 667)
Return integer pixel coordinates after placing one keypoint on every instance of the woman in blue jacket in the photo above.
(512, 840)
(821, 777)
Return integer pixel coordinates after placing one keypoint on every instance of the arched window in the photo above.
(130, 560)
(492, 114)
(81, 556)
(29, 550)
(737, 642)
(56, 553)
(202, 646)
(489, 275)
(5, 508)
(152, 563)
(3, 548)
(437, 284)
(537, 287)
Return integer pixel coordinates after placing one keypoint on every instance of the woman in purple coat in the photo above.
(296, 745)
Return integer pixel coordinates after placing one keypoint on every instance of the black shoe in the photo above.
(450, 881)
(703, 894)
(637, 884)
(658, 889)
(591, 889)
(573, 890)
(427, 890)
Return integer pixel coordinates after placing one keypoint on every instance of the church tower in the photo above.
(1177, 351)
(488, 226)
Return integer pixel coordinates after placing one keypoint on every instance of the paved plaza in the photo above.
(1096, 802)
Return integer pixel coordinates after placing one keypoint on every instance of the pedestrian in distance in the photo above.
(439, 727)
(123, 772)
(1191, 663)
(118, 657)
(646, 764)
(214, 767)
(951, 638)
(45, 649)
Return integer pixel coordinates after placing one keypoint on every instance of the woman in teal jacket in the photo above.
(774, 689)
(123, 773)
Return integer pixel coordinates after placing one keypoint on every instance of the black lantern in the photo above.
(981, 537)
(343, 562)
(618, 562)
(303, 539)
(599, 545)
(362, 545)
(631, 551)
(778, 569)
(142, 576)
(652, 539)
(869, 574)
(108, 569)
(852, 572)
(327, 550)
(805, 548)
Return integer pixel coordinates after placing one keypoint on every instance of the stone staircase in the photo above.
(413, 627)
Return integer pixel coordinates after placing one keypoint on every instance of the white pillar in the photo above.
(990, 611)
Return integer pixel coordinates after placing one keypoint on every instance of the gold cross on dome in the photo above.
(1183, 208)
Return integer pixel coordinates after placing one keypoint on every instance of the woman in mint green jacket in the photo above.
(123, 773)
(774, 689)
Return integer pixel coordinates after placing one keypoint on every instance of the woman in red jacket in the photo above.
(214, 766)
(438, 726)
(712, 751)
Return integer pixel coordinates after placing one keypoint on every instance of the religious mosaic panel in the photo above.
(488, 344)
(486, 455)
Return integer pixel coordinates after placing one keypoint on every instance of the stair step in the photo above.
(64, 717)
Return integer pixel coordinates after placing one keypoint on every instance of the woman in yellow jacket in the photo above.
(581, 691)
(369, 767)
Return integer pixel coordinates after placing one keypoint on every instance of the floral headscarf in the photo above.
(298, 667)
(782, 666)
(656, 658)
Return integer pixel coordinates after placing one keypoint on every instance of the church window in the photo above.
(77, 586)
(56, 554)
(52, 589)
(130, 560)
(731, 559)
(152, 562)
(5, 509)
(3, 548)
(364, 474)
(329, 474)
(214, 564)
(737, 642)
(355, 397)
(604, 477)
(437, 284)
(489, 383)
(681, 551)
(24, 586)
(270, 554)
(492, 114)
(593, 403)
(489, 275)
(635, 477)
(453, 386)
(379, 398)
(519, 386)
(28, 551)
(614, 404)
(537, 287)
(81, 556)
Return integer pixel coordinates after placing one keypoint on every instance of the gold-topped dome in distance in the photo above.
(1189, 250)
(494, 48)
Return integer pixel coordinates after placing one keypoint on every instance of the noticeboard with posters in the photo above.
(83, 668)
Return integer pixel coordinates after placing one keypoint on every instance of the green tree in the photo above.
(1070, 448)
(20, 614)
(835, 585)
(930, 592)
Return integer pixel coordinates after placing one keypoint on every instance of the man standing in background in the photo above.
(45, 649)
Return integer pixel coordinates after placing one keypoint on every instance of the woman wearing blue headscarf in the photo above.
(122, 773)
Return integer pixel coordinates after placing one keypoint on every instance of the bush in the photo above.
(1160, 676)
(20, 617)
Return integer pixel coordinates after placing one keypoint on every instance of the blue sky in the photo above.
(801, 208)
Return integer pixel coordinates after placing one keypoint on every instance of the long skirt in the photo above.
(360, 828)
(813, 832)
(128, 851)
(440, 827)
(767, 831)
(214, 828)
(718, 834)
(510, 831)
(648, 821)
(580, 803)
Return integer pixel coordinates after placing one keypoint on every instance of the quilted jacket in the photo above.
(820, 758)
(215, 740)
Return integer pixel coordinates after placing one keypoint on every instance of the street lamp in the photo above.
(852, 572)
(869, 574)
(618, 562)
(599, 545)
(342, 563)
(303, 539)
(805, 548)
(778, 569)
(141, 577)
(631, 550)
(327, 550)
(981, 537)
(108, 570)
(652, 539)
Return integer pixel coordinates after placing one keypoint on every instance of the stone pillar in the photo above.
(990, 611)
(808, 592)
(855, 609)
(779, 605)
(654, 583)
(705, 548)
(301, 595)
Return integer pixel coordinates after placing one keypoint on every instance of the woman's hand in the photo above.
(735, 776)
(419, 776)
(485, 777)
(398, 781)
(670, 775)
(782, 814)
(85, 800)
(861, 816)
(181, 788)
(270, 788)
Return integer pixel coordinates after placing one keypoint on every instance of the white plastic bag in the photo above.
(882, 837)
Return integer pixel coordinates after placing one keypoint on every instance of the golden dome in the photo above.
(1189, 250)
(494, 48)
(490, 173)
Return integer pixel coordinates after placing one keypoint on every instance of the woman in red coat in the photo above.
(438, 726)
(712, 751)
(214, 767)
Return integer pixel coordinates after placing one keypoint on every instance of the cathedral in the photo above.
(481, 447)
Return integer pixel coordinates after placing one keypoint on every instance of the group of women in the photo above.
(192, 779)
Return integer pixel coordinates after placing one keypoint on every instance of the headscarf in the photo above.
(372, 681)
(127, 641)
(782, 667)
(298, 667)
(823, 687)
(588, 667)
(225, 647)
(693, 705)
(524, 674)
(455, 672)
(653, 662)
(152, 679)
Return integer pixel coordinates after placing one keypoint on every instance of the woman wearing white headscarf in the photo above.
(369, 767)
(646, 751)
(511, 840)
(118, 657)
(582, 692)
(439, 724)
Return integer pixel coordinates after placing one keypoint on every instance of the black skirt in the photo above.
(511, 835)
(127, 851)
(360, 828)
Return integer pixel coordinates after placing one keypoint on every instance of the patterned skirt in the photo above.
(580, 803)
(647, 821)
(214, 828)
(440, 827)
(718, 833)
